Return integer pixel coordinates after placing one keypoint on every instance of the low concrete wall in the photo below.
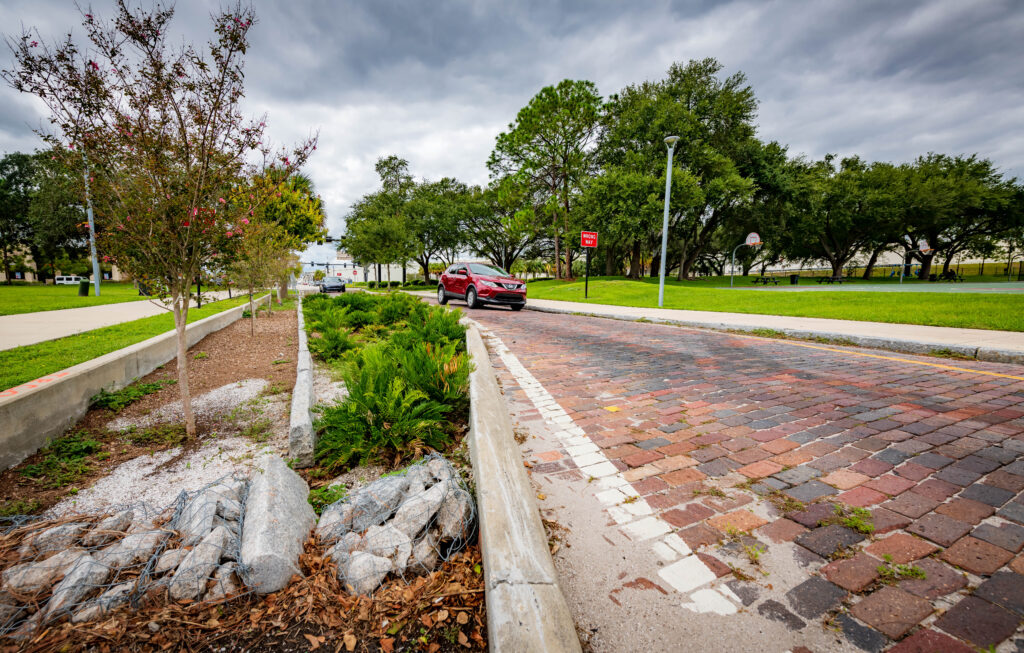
(301, 437)
(525, 607)
(988, 354)
(34, 413)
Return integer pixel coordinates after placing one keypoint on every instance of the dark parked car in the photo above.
(481, 284)
(332, 284)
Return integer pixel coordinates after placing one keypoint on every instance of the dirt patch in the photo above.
(224, 358)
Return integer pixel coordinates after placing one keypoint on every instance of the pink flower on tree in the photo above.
(229, 234)
(245, 220)
(95, 66)
(34, 44)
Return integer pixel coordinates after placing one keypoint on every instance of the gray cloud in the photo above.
(436, 81)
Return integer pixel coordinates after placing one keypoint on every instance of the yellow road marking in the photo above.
(886, 358)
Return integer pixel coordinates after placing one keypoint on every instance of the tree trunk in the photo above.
(746, 267)
(609, 262)
(926, 265)
(682, 259)
(837, 268)
(282, 290)
(425, 266)
(945, 265)
(870, 268)
(252, 314)
(634, 261)
(982, 272)
(180, 301)
(389, 277)
(558, 255)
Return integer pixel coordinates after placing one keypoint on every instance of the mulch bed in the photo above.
(231, 355)
(443, 611)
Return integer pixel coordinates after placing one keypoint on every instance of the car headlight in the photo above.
(489, 284)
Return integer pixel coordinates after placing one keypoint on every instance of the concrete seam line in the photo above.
(526, 610)
(30, 419)
(301, 437)
(904, 346)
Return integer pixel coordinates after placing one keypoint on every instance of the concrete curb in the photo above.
(986, 354)
(34, 413)
(301, 437)
(526, 610)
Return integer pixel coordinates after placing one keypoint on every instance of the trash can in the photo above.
(83, 288)
(794, 279)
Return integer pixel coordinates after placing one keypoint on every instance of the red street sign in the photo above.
(588, 239)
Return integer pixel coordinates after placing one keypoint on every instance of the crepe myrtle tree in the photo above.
(161, 134)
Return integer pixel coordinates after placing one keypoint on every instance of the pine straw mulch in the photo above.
(443, 611)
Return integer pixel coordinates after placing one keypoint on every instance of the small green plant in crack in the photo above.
(281, 361)
(890, 573)
(754, 553)
(785, 503)
(631, 499)
(857, 519)
(250, 420)
(322, 497)
(739, 574)
(275, 388)
(711, 492)
(200, 355)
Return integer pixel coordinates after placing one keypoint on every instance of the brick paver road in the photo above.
(715, 444)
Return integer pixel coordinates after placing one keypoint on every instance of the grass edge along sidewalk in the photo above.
(23, 364)
(1003, 312)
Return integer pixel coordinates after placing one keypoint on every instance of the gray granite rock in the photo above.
(189, 580)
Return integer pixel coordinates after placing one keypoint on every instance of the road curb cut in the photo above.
(985, 354)
(301, 437)
(526, 610)
(41, 410)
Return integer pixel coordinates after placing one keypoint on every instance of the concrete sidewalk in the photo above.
(30, 328)
(996, 346)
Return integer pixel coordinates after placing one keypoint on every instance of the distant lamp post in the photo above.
(670, 143)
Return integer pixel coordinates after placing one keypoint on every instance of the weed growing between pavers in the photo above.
(890, 573)
(406, 371)
(857, 519)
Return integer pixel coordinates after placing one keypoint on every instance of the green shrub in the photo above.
(357, 301)
(437, 370)
(371, 284)
(434, 325)
(65, 461)
(332, 344)
(358, 319)
(117, 401)
(383, 415)
(397, 307)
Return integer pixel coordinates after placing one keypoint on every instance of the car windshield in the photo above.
(479, 268)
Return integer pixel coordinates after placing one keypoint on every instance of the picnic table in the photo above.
(838, 280)
(950, 275)
(766, 280)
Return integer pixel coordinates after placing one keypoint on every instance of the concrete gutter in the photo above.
(921, 345)
(34, 413)
(301, 437)
(526, 610)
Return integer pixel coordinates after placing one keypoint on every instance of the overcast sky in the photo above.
(435, 81)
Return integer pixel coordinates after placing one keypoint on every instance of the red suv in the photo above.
(481, 284)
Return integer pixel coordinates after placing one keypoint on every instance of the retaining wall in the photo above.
(34, 413)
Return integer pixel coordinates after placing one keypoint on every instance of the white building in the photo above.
(345, 268)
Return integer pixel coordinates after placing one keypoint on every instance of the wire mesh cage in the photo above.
(399, 526)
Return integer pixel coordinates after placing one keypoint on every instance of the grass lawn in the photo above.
(977, 311)
(23, 364)
(31, 298)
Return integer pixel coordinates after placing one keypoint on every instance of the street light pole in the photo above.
(670, 143)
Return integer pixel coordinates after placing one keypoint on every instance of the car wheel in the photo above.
(442, 296)
(471, 300)
(517, 307)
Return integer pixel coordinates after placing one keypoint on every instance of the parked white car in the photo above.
(68, 281)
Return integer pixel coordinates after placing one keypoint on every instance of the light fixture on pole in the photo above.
(670, 143)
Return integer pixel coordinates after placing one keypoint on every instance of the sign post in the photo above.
(588, 241)
(753, 240)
